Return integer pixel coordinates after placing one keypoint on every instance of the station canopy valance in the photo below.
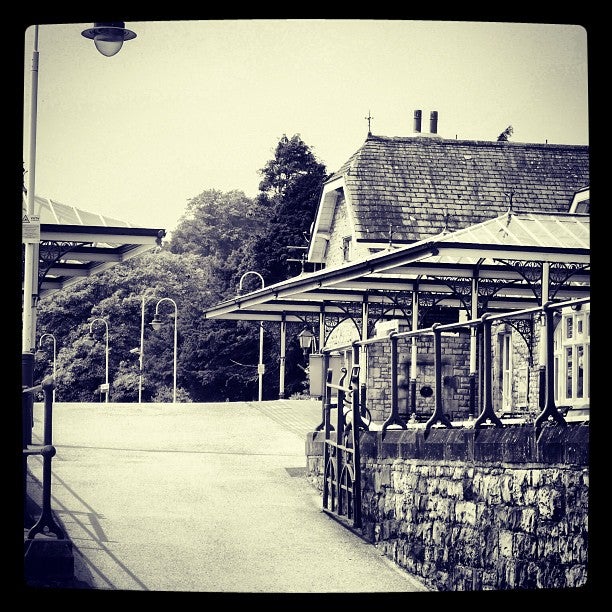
(507, 253)
(75, 243)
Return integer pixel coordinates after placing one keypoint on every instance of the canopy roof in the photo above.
(504, 251)
(75, 243)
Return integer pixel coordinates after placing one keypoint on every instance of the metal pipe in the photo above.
(105, 353)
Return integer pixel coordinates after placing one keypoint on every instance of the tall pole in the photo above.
(30, 275)
(260, 365)
(105, 353)
(156, 322)
(30, 263)
(141, 356)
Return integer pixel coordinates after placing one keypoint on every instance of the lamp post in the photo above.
(105, 353)
(156, 324)
(107, 37)
(54, 355)
(140, 351)
(260, 366)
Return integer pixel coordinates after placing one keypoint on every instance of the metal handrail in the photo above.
(46, 523)
(485, 321)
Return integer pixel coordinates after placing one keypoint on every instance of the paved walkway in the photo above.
(210, 498)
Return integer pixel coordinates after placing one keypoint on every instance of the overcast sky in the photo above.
(189, 106)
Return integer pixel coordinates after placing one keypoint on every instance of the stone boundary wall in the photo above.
(473, 510)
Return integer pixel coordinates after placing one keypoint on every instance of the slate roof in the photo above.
(409, 183)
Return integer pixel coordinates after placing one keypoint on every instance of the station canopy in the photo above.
(76, 244)
(505, 253)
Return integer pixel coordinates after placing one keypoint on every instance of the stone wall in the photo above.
(472, 510)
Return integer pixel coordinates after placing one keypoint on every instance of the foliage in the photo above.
(220, 236)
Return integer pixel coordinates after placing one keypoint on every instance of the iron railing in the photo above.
(46, 523)
(487, 416)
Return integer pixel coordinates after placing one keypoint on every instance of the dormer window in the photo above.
(346, 248)
(581, 202)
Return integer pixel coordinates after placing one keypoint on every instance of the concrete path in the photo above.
(202, 497)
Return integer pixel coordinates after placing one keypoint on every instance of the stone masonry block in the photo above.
(488, 445)
(518, 444)
(551, 444)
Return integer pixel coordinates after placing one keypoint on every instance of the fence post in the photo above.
(394, 418)
(488, 413)
(550, 409)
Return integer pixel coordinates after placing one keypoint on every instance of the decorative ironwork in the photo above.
(525, 328)
(341, 457)
(50, 252)
(487, 288)
(401, 300)
(351, 310)
(560, 272)
(530, 271)
(427, 301)
(462, 289)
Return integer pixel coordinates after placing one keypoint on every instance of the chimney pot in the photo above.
(417, 121)
(433, 122)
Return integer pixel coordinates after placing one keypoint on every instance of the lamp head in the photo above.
(109, 36)
(305, 337)
(156, 322)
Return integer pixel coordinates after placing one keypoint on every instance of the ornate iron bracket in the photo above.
(50, 252)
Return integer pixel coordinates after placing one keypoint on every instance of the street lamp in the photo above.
(109, 36)
(260, 366)
(140, 351)
(157, 323)
(106, 386)
(54, 355)
(305, 337)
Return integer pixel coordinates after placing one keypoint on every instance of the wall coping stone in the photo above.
(565, 445)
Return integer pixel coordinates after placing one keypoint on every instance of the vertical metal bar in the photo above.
(550, 409)
(325, 375)
(488, 413)
(283, 352)
(414, 352)
(47, 451)
(473, 351)
(356, 432)
(394, 418)
(543, 340)
(438, 416)
(27, 399)
(327, 428)
(339, 440)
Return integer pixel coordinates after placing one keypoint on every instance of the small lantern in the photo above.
(305, 337)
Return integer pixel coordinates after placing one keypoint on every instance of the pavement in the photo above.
(196, 498)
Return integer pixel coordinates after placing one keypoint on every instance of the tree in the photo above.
(116, 296)
(290, 191)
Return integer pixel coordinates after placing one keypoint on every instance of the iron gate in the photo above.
(341, 457)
